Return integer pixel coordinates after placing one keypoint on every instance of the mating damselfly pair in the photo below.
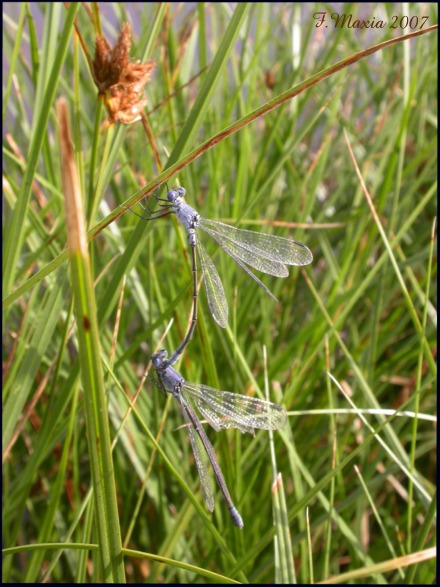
(222, 409)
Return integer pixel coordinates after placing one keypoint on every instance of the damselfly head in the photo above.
(159, 358)
(174, 196)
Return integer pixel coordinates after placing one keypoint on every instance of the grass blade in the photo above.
(106, 511)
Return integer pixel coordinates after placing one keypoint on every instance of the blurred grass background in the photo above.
(354, 313)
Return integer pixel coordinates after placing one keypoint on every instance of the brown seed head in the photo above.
(120, 81)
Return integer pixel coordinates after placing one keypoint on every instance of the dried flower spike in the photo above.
(120, 81)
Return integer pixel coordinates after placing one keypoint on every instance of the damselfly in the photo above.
(222, 409)
(264, 252)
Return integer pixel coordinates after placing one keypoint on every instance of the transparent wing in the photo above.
(269, 246)
(200, 457)
(224, 409)
(218, 306)
(226, 247)
(251, 256)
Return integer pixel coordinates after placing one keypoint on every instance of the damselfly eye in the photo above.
(172, 195)
(181, 191)
(158, 358)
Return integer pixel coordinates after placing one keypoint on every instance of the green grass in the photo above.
(356, 497)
